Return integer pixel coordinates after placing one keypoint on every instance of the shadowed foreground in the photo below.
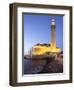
(43, 66)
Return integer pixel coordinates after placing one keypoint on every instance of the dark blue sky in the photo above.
(37, 29)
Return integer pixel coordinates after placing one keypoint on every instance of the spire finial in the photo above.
(53, 21)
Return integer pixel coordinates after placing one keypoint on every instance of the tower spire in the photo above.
(53, 32)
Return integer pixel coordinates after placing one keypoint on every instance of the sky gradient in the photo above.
(37, 29)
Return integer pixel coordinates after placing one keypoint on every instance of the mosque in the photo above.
(41, 49)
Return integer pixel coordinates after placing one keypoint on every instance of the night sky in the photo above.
(37, 29)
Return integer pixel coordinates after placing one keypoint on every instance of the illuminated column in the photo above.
(53, 33)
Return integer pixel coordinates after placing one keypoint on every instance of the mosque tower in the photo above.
(53, 33)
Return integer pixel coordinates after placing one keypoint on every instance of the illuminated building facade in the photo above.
(41, 49)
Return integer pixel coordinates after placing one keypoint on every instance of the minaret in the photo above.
(53, 33)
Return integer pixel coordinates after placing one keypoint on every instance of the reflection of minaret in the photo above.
(53, 33)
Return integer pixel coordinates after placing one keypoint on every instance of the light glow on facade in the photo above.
(50, 48)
